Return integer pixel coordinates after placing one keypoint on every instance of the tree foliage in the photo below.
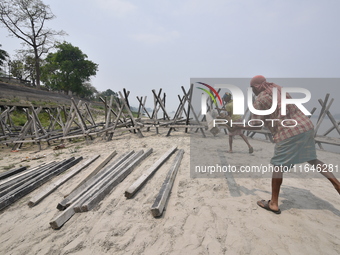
(3, 57)
(108, 93)
(17, 69)
(89, 91)
(68, 69)
(23, 68)
(25, 19)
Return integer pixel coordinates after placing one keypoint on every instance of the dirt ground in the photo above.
(14, 94)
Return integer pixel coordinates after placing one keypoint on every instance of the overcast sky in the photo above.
(145, 45)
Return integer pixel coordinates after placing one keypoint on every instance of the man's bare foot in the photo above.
(230, 151)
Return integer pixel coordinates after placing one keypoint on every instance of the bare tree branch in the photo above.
(25, 19)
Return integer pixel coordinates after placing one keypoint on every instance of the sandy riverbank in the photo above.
(203, 215)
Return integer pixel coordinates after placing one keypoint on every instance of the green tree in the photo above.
(89, 91)
(17, 69)
(3, 57)
(23, 68)
(108, 93)
(25, 19)
(29, 68)
(68, 69)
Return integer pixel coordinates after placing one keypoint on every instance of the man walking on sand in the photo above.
(294, 144)
(227, 99)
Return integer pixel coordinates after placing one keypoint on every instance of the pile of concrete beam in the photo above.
(87, 195)
(164, 193)
(53, 186)
(17, 183)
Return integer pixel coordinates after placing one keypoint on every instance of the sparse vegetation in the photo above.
(15, 100)
(76, 140)
(8, 167)
(18, 117)
(58, 153)
(74, 150)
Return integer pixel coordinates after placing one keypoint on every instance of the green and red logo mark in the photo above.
(213, 98)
